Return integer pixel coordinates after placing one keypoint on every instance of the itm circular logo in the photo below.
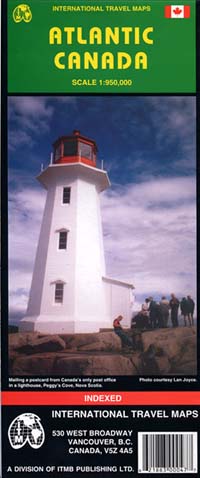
(22, 13)
(26, 428)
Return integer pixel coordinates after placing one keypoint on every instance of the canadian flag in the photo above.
(177, 11)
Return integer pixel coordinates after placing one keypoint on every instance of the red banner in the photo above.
(100, 398)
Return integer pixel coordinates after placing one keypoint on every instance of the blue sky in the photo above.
(148, 147)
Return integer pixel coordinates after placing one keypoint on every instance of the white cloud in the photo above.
(19, 138)
(149, 237)
(25, 213)
(177, 119)
(30, 116)
(18, 300)
(30, 106)
(27, 116)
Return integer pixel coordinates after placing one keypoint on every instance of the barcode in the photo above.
(167, 452)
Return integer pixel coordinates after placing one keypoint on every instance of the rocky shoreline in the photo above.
(156, 352)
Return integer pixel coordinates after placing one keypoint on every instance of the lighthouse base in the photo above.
(65, 325)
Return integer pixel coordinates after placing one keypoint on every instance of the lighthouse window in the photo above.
(66, 195)
(85, 150)
(59, 290)
(57, 153)
(63, 240)
(70, 148)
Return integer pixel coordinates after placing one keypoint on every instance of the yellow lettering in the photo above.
(80, 39)
(112, 35)
(141, 60)
(137, 36)
(91, 60)
(124, 60)
(107, 60)
(127, 31)
(145, 35)
(57, 60)
(55, 36)
(74, 61)
(95, 36)
(69, 31)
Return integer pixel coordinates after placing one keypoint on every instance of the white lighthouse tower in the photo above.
(69, 292)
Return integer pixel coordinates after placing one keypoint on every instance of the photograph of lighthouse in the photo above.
(102, 235)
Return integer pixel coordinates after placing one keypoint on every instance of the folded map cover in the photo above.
(100, 141)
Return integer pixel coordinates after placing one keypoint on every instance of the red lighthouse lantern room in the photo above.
(75, 149)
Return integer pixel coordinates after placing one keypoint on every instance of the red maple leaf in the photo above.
(177, 11)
